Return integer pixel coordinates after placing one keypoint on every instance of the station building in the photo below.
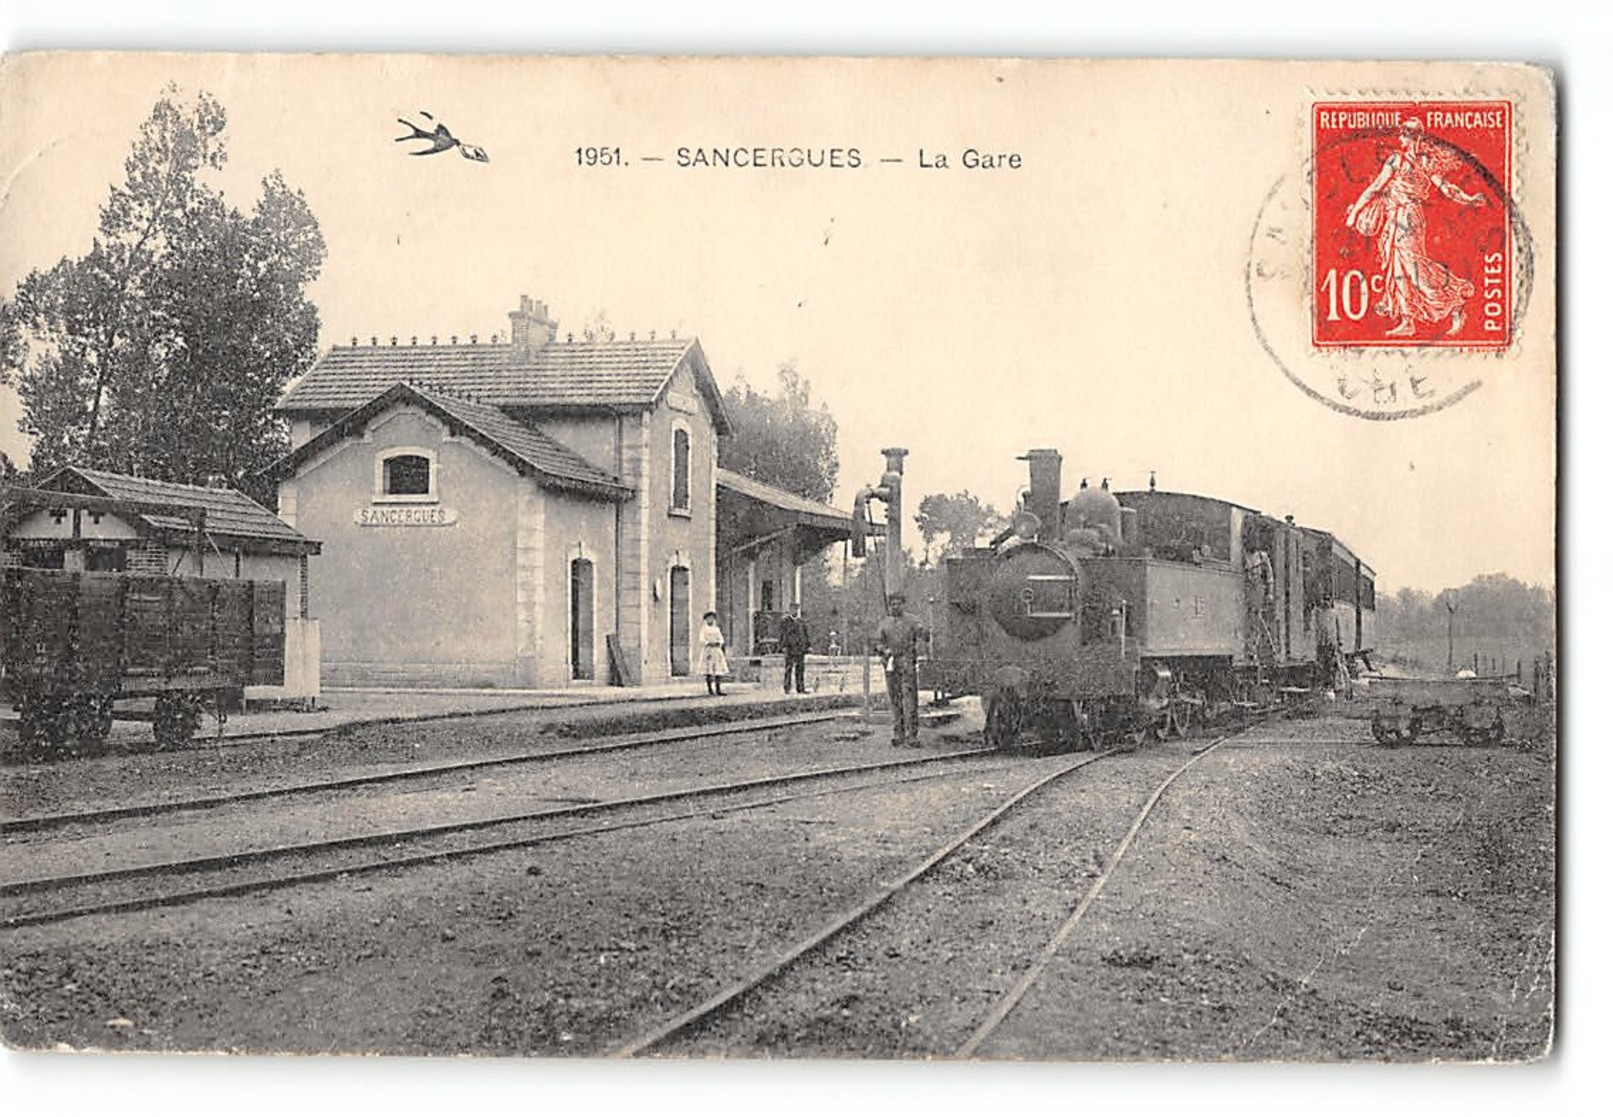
(535, 512)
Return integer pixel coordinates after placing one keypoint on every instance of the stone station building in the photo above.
(532, 513)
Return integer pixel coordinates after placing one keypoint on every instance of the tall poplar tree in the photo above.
(162, 350)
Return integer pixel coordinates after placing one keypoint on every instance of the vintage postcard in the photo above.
(778, 558)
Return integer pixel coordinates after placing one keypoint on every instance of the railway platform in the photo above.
(831, 683)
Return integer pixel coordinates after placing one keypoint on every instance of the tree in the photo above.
(782, 440)
(955, 521)
(163, 349)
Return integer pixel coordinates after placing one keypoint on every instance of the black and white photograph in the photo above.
(584, 558)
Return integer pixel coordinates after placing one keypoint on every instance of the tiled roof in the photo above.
(562, 374)
(780, 498)
(553, 462)
(543, 453)
(228, 512)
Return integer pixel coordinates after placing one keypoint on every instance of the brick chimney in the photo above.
(531, 328)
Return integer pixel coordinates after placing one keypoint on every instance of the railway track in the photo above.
(711, 1011)
(62, 820)
(49, 899)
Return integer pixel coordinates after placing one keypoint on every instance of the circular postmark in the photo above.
(1390, 273)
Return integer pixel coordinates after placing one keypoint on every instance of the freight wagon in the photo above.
(73, 645)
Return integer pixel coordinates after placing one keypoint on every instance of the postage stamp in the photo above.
(1391, 270)
(1411, 238)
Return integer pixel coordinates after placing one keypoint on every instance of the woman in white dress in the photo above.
(713, 663)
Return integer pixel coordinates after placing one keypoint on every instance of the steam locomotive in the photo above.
(1117, 615)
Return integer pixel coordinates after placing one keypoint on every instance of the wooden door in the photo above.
(582, 619)
(678, 629)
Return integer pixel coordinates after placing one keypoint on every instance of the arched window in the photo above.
(680, 470)
(406, 474)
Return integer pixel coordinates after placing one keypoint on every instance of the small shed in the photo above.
(92, 520)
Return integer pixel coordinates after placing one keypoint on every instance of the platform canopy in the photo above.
(751, 514)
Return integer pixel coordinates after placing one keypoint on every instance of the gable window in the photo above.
(406, 474)
(680, 470)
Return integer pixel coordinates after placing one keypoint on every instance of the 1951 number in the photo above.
(599, 157)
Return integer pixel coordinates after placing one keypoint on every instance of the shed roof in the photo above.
(228, 512)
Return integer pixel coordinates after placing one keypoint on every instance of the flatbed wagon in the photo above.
(73, 645)
(1474, 710)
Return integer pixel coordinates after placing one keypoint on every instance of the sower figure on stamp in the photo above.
(713, 663)
(898, 639)
(1416, 287)
(794, 639)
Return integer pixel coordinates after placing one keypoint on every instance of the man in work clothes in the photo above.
(898, 642)
(793, 638)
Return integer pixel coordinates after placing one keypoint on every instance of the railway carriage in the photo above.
(1138, 613)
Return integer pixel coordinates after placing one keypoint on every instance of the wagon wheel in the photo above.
(1179, 719)
(1003, 719)
(89, 720)
(1390, 734)
(41, 725)
(1492, 734)
(175, 720)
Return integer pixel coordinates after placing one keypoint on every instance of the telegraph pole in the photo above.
(1450, 633)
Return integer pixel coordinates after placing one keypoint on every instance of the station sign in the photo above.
(405, 515)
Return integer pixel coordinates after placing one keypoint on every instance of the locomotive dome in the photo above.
(1092, 507)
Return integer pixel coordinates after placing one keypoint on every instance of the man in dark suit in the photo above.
(793, 639)
(897, 641)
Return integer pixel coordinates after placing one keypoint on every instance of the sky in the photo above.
(1091, 300)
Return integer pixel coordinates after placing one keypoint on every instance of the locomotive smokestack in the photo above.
(1042, 501)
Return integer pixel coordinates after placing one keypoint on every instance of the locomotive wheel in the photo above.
(1178, 719)
(1003, 719)
(175, 720)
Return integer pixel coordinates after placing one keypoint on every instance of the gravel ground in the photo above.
(112, 781)
(1292, 898)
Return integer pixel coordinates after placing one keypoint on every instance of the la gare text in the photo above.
(972, 159)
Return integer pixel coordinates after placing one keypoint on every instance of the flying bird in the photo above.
(441, 139)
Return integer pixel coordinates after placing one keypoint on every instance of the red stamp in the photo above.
(1412, 219)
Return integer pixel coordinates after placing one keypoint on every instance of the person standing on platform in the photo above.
(794, 639)
(897, 641)
(713, 663)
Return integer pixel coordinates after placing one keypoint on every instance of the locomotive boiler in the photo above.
(1131, 614)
